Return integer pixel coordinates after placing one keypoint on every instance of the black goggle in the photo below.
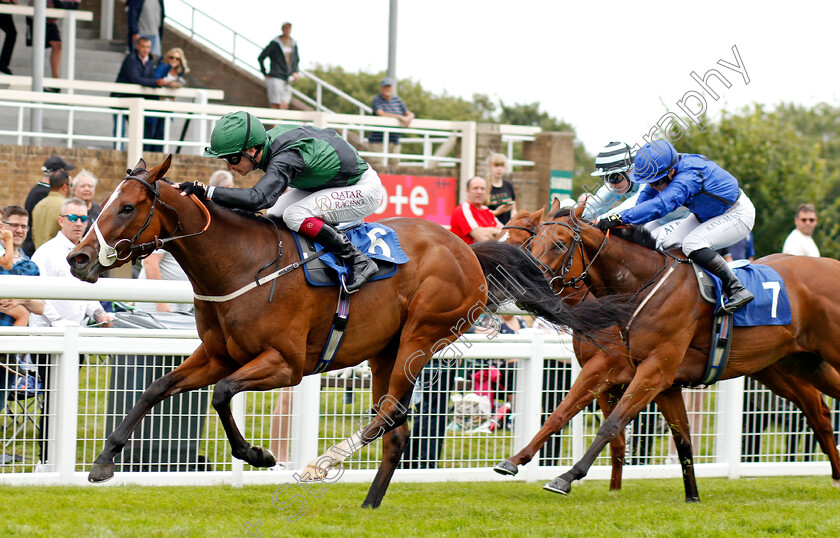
(232, 159)
(615, 177)
(664, 180)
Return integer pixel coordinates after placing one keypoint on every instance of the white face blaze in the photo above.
(107, 254)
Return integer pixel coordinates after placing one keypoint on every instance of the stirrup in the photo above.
(731, 307)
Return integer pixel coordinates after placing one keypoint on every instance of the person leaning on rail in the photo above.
(329, 182)
(721, 214)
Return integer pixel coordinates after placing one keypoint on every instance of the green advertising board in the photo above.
(559, 185)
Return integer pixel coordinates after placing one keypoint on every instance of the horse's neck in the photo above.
(620, 266)
(229, 253)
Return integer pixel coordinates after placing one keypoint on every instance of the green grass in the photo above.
(787, 506)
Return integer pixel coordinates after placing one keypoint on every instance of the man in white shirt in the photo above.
(51, 259)
(800, 242)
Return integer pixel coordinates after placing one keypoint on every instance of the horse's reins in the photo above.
(108, 254)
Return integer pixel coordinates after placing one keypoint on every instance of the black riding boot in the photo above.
(361, 267)
(713, 262)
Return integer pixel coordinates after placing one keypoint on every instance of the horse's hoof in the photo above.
(506, 467)
(100, 472)
(835, 483)
(692, 499)
(558, 485)
(260, 457)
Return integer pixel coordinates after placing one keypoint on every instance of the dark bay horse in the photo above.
(606, 370)
(250, 342)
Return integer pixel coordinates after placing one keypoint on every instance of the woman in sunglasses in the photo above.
(328, 182)
(721, 214)
(172, 67)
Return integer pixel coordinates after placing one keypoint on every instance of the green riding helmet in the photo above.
(234, 133)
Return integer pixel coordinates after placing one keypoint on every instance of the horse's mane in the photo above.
(256, 217)
(630, 232)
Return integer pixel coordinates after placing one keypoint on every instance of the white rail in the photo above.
(79, 410)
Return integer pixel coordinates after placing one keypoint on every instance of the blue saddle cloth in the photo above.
(376, 240)
(771, 305)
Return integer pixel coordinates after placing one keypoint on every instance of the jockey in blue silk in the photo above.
(617, 193)
(721, 214)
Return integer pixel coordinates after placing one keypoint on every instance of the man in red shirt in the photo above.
(473, 221)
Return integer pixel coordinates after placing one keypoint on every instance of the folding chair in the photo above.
(25, 406)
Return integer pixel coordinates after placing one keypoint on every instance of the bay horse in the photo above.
(255, 336)
(606, 370)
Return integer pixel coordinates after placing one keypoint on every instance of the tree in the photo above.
(777, 168)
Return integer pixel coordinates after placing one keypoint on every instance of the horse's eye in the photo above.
(126, 209)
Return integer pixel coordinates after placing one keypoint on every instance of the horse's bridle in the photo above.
(568, 259)
(108, 254)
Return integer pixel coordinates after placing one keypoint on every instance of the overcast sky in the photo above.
(611, 69)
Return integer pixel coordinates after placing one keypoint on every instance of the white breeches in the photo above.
(333, 205)
(716, 233)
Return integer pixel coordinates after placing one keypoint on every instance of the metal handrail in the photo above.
(251, 65)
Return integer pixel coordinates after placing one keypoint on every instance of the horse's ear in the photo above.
(578, 211)
(141, 164)
(159, 171)
(555, 205)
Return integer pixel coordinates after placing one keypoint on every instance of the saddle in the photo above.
(375, 240)
(770, 307)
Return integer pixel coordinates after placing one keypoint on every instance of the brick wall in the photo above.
(20, 167)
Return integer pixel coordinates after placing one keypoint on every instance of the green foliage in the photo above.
(777, 168)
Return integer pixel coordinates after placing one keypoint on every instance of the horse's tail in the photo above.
(513, 275)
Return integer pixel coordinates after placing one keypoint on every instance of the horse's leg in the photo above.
(618, 446)
(648, 382)
(394, 441)
(266, 371)
(198, 370)
(808, 399)
(672, 407)
(595, 377)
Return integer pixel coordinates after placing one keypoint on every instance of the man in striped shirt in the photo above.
(473, 221)
(389, 105)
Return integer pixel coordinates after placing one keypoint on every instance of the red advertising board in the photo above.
(430, 198)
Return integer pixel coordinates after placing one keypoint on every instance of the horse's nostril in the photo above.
(79, 260)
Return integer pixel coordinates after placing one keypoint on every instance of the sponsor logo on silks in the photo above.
(323, 203)
(346, 195)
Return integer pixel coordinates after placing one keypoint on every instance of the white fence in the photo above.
(93, 375)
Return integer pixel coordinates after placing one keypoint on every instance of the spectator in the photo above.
(53, 42)
(502, 196)
(800, 241)
(161, 265)
(472, 221)
(83, 187)
(387, 104)
(7, 24)
(14, 221)
(46, 212)
(51, 259)
(173, 66)
(39, 192)
(139, 68)
(283, 57)
(145, 19)
(221, 178)
(742, 250)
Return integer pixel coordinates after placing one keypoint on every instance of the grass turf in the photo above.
(787, 506)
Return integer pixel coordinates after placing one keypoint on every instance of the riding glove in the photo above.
(609, 222)
(193, 187)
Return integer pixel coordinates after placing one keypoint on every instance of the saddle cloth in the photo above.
(376, 240)
(771, 305)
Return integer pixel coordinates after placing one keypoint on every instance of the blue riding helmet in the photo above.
(653, 161)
